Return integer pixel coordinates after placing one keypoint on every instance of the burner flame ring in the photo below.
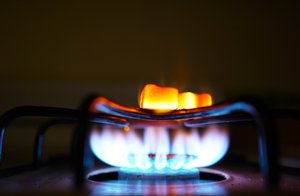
(174, 156)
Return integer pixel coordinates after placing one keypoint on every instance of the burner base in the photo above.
(107, 181)
(153, 174)
(116, 175)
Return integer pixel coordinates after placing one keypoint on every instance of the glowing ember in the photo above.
(188, 100)
(159, 98)
(162, 99)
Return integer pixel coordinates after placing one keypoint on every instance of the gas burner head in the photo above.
(156, 136)
(113, 181)
(155, 174)
(164, 143)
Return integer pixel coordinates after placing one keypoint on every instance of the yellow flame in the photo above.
(187, 100)
(159, 98)
(163, 99)
(204, 100)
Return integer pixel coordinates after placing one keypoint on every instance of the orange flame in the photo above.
(163, 99)
(159, 98)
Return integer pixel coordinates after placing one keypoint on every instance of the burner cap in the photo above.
(154, 174)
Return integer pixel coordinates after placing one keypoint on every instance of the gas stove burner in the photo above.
(120, 136)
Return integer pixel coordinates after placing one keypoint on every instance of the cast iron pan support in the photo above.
(83, 157)
(266, 127)
(61, 115)
(262, 117)
(40, 138)
(33, 111)
(267, 134)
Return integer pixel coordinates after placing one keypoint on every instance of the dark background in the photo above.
(55, 52)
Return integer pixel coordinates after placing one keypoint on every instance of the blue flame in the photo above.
(156, 149)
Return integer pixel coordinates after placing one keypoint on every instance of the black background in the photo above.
(55, 52)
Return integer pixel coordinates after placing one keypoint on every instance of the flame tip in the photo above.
(164, 98)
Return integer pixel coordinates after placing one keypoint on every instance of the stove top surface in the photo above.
(60, 177)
